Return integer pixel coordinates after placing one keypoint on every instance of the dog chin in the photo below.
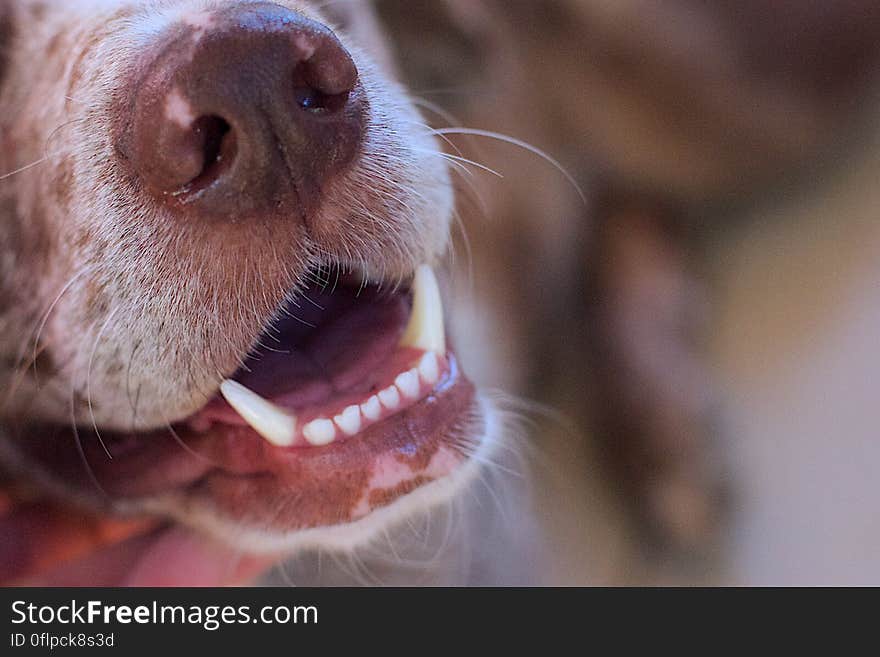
(348, 536)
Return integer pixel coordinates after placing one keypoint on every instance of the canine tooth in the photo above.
(429, 368)
(390, 398)
(408, 382)
(272, 423)
(320, 432)
(349, 420)
(372, 408)
(425, 329)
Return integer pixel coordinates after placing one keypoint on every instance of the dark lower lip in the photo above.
(250, 482)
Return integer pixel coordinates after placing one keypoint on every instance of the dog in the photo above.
(218, 226)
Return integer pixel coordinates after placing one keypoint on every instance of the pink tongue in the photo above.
(348, 350)
(180, 558)
(171, 557)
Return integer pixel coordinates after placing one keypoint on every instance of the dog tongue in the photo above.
(172, 556)
(177, 557)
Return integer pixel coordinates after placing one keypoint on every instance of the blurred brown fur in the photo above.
(675, 118)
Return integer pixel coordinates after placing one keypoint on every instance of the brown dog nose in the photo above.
(245, 111)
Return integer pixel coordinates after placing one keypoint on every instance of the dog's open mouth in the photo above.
(350, 401)
(343, 358)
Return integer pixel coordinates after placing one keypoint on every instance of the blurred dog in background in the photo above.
(682, 121)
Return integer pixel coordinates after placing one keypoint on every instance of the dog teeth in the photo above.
(408, 384)
(372, 408)
(429, 368)
(271, 422)
(390, 398)
(320, 432)
(425, 329)
(349, 420)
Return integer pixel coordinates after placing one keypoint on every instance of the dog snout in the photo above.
(245, 111)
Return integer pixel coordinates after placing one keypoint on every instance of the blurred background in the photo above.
(700, 304)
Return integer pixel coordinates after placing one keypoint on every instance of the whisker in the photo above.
(89, 380)
(36, 163)
(457, 158)
(450, 118)
(67, 286)
(24, 168)
(488, 134)
(187, 448)
(56, 131)
(90, 473)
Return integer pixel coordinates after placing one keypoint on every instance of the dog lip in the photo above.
(228, 466)
(234, 471)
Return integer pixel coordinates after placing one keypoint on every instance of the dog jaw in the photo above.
(147, 307)
(367, 521)
(122, 316)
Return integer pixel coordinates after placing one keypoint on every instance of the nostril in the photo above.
(212, 130)
(218, 145)
(311, 98)
(315, 102)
